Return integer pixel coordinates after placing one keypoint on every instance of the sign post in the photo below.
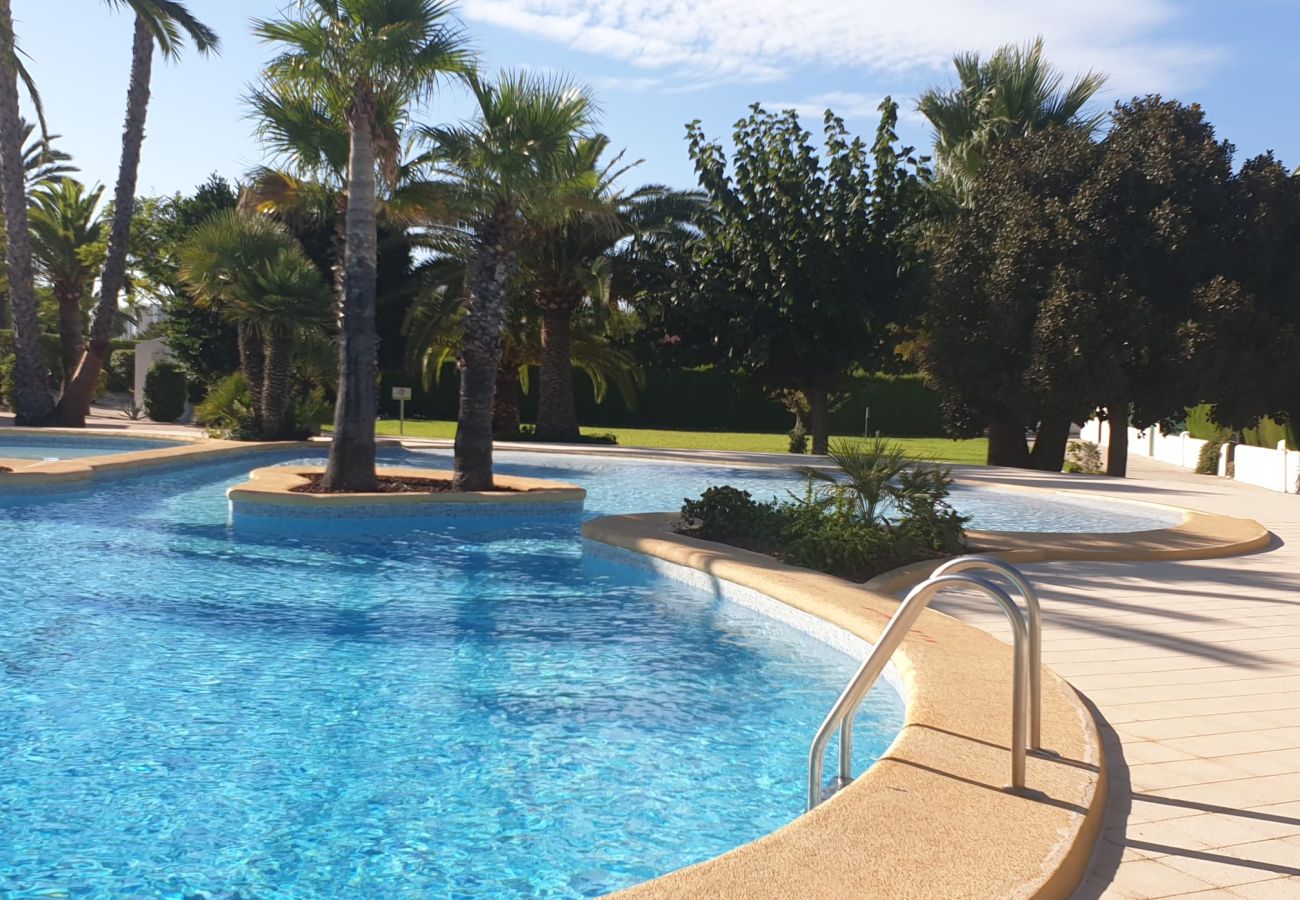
(401, 395)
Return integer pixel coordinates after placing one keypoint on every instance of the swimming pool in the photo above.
(51, 446)
(471, 709)
(644, 486)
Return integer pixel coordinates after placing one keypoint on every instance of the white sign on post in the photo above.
(401, 395)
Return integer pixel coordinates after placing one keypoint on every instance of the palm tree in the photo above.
(435, 326)
(42, 165)
(1016, 91)
(166, 23)
(32, 401)
(360, 61)
(526, 158)
(590, 257)
(67, 244)
(256, 274)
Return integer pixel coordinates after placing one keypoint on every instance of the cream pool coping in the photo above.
(273, 486)
(932, 817)
(70, 472)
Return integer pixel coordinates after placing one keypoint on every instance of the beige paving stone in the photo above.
(1273, 889)
(1259, 740)
(1194, 668)
(1150, 878)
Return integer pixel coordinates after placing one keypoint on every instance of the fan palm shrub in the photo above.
(253, 271)
(362, 62)
(1014, 92)
(67, 232)
(528, 157)
(435, 325)
(590, 258)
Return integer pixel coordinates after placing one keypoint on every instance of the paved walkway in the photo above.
(1194, 668)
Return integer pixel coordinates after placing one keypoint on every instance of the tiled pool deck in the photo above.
(1194, 668)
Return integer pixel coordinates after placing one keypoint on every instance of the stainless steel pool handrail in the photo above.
(895, 630)
(1034, 619)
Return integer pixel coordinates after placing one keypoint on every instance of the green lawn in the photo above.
(972, 451)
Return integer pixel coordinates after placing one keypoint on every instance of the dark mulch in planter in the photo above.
(390, 485)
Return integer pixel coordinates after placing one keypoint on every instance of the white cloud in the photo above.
(689, 41)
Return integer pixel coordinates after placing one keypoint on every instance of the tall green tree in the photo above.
(197, 336)
(253, 272)
(67, 230)
(32, 400)
(804, 257)
(166, 24)
(1014, 92)
(1013, 334)
(352, 59)
(1243, 342)
(591, 258)
(1086, 275)
(1164, 193)
(529, 156)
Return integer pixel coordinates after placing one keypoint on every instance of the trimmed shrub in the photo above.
(725, 513)
(1207, 463)
(1083, 458)
(839, 525)
(165, 391)
(121, 370)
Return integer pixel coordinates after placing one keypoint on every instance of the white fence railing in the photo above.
(1276, 469)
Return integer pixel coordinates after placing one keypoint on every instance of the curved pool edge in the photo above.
(271, 495)
(39, 477)
(940, 785)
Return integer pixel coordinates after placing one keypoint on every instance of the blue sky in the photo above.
(657, 64)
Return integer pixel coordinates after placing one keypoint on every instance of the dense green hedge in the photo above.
(900, 406)
(1200, 424)
(165, 391)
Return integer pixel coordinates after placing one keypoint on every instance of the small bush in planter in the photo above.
(1083, 458)
(1207, 463)
(165, 391)
(877, 511)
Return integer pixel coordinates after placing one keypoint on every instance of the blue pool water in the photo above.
(475, 709)
(46, 446)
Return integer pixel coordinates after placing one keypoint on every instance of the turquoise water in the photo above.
(467, 710)
(46, 446)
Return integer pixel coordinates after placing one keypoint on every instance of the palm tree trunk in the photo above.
(480, 352)
(505, 400)
(252, 361)
(74, 405)
(32, 402)
(69, 298)
(351, 465)
(277, 406)
(557, 414)
(817, 420)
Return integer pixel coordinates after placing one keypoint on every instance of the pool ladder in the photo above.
(1027, 650)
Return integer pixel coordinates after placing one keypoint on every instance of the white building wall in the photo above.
(146, 354)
